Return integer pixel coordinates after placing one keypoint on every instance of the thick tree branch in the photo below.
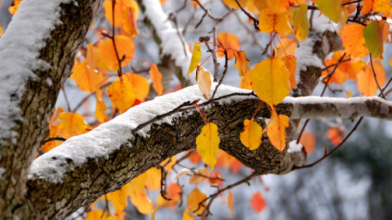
(85, 167)
(36, 56)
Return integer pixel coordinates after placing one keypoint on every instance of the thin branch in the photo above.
(217, 19)
(223, 75)
(114, 41)
(66, 99)
(255, 21)
(375, 77)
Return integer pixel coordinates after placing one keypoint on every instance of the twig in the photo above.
(114, 41)
(255, 21)
(375, 77)
(66, 99)
(217, 19)
(330, 75)
(214, 56)
(224, 73)
(54, 139)
(201, 20)
(163, 184)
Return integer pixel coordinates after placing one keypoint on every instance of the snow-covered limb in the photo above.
(36, 56)
(85, 167)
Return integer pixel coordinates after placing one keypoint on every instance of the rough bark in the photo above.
(36, 105)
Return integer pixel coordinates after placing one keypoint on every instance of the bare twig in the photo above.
(223, 75)
(217, 19)
(114, 41)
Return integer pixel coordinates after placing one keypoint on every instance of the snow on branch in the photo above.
(87, 166)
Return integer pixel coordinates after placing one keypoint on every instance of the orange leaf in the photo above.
(174, 193)
(107, 53)
(1, 31)
(290, 62)
(100, 108)
(308, 141)
(241, 62)
(71, 124)
(120, 11)
(153, 181)
(86, 77)
(228, 41)
(95, 214)
(270, 21)
(195, 157)
(382, 6)
(285, 47)
(196, 56)
(233, 3)
(13, 9)
(260, 4)
(170, 164)
(335, 136)
(201, 175)
(278, 6)
(129, 22)
(353, 40)
(194, 198)
(230, 203)
(365, 79)
(122, 94)
(257, 202)
(270, 81)
(235, 165)
(214, 178)
(276, 130)
(207, 144)
(187, 216)
(251, 136)
(245, 81)
(203, 78)
(156, 78)
(140, 85)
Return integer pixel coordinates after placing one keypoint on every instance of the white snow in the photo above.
(294, 147)
(171, 42)
(322, 23)
(111, 135)
(19, 50)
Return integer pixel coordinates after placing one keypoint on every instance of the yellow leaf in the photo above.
(278, 6)
(153, 181)
(365, 78)
(142, 203)
(233, 3)
(71, 124)
(301, 22)
(100, 108)
(228, 41)
(203, 78)
(353, 40)
(187, 216)
(129, 22)
(107, 53)
(251, 136)
(270, 80)
(122, 94)
(241, 62)
(140, 85)
(86, 77)
(196, 56)
(330, 8)
(13, 9)
(373, 34)
(1, 31)
(276, 131)
(95, 214)
(194, 198)
(117, 216)
(170, 164)
(156, 78)
(269, 22)
(230, 203)
(207, 144)
(290, 62)
(260, 4)
(120, 11)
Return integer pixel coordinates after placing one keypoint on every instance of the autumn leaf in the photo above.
(107, 53)
(276, 130)
(140, 85)
(278, 6)
(365, 78)
(174, 193)
(213, 178)
(203, 78)
(308, 141)
(186, 215)
(129, 22)
(196, 56)
(230, 203)
(95, 214)
(285, 47)
(100, 108)
(251, 136)
(13, 9)
(228, 41)
(330, 8)
(245, 81)
(269, 21)
(260, 4)
(86, 77)
(71, 124)
(354, 41)
(194, 198)
(153, 181)
(382, 6)
(373, 34)
(301, 22)
(195, 158)
(169, 163)
(156, 78)
(335, 136)
(126, 13)
(1, 31)
(257, 202)
(290, 62)
(270, 80)
(241, 62)
(233, 3)
(122, 94)
(200, 176)
(207, 144)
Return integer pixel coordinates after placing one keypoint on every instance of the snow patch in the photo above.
(294, 147)
(109, 136)
(19, 51)
(171, 41)
(322, 23)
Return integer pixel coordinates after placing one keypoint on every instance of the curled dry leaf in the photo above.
(203, 78)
